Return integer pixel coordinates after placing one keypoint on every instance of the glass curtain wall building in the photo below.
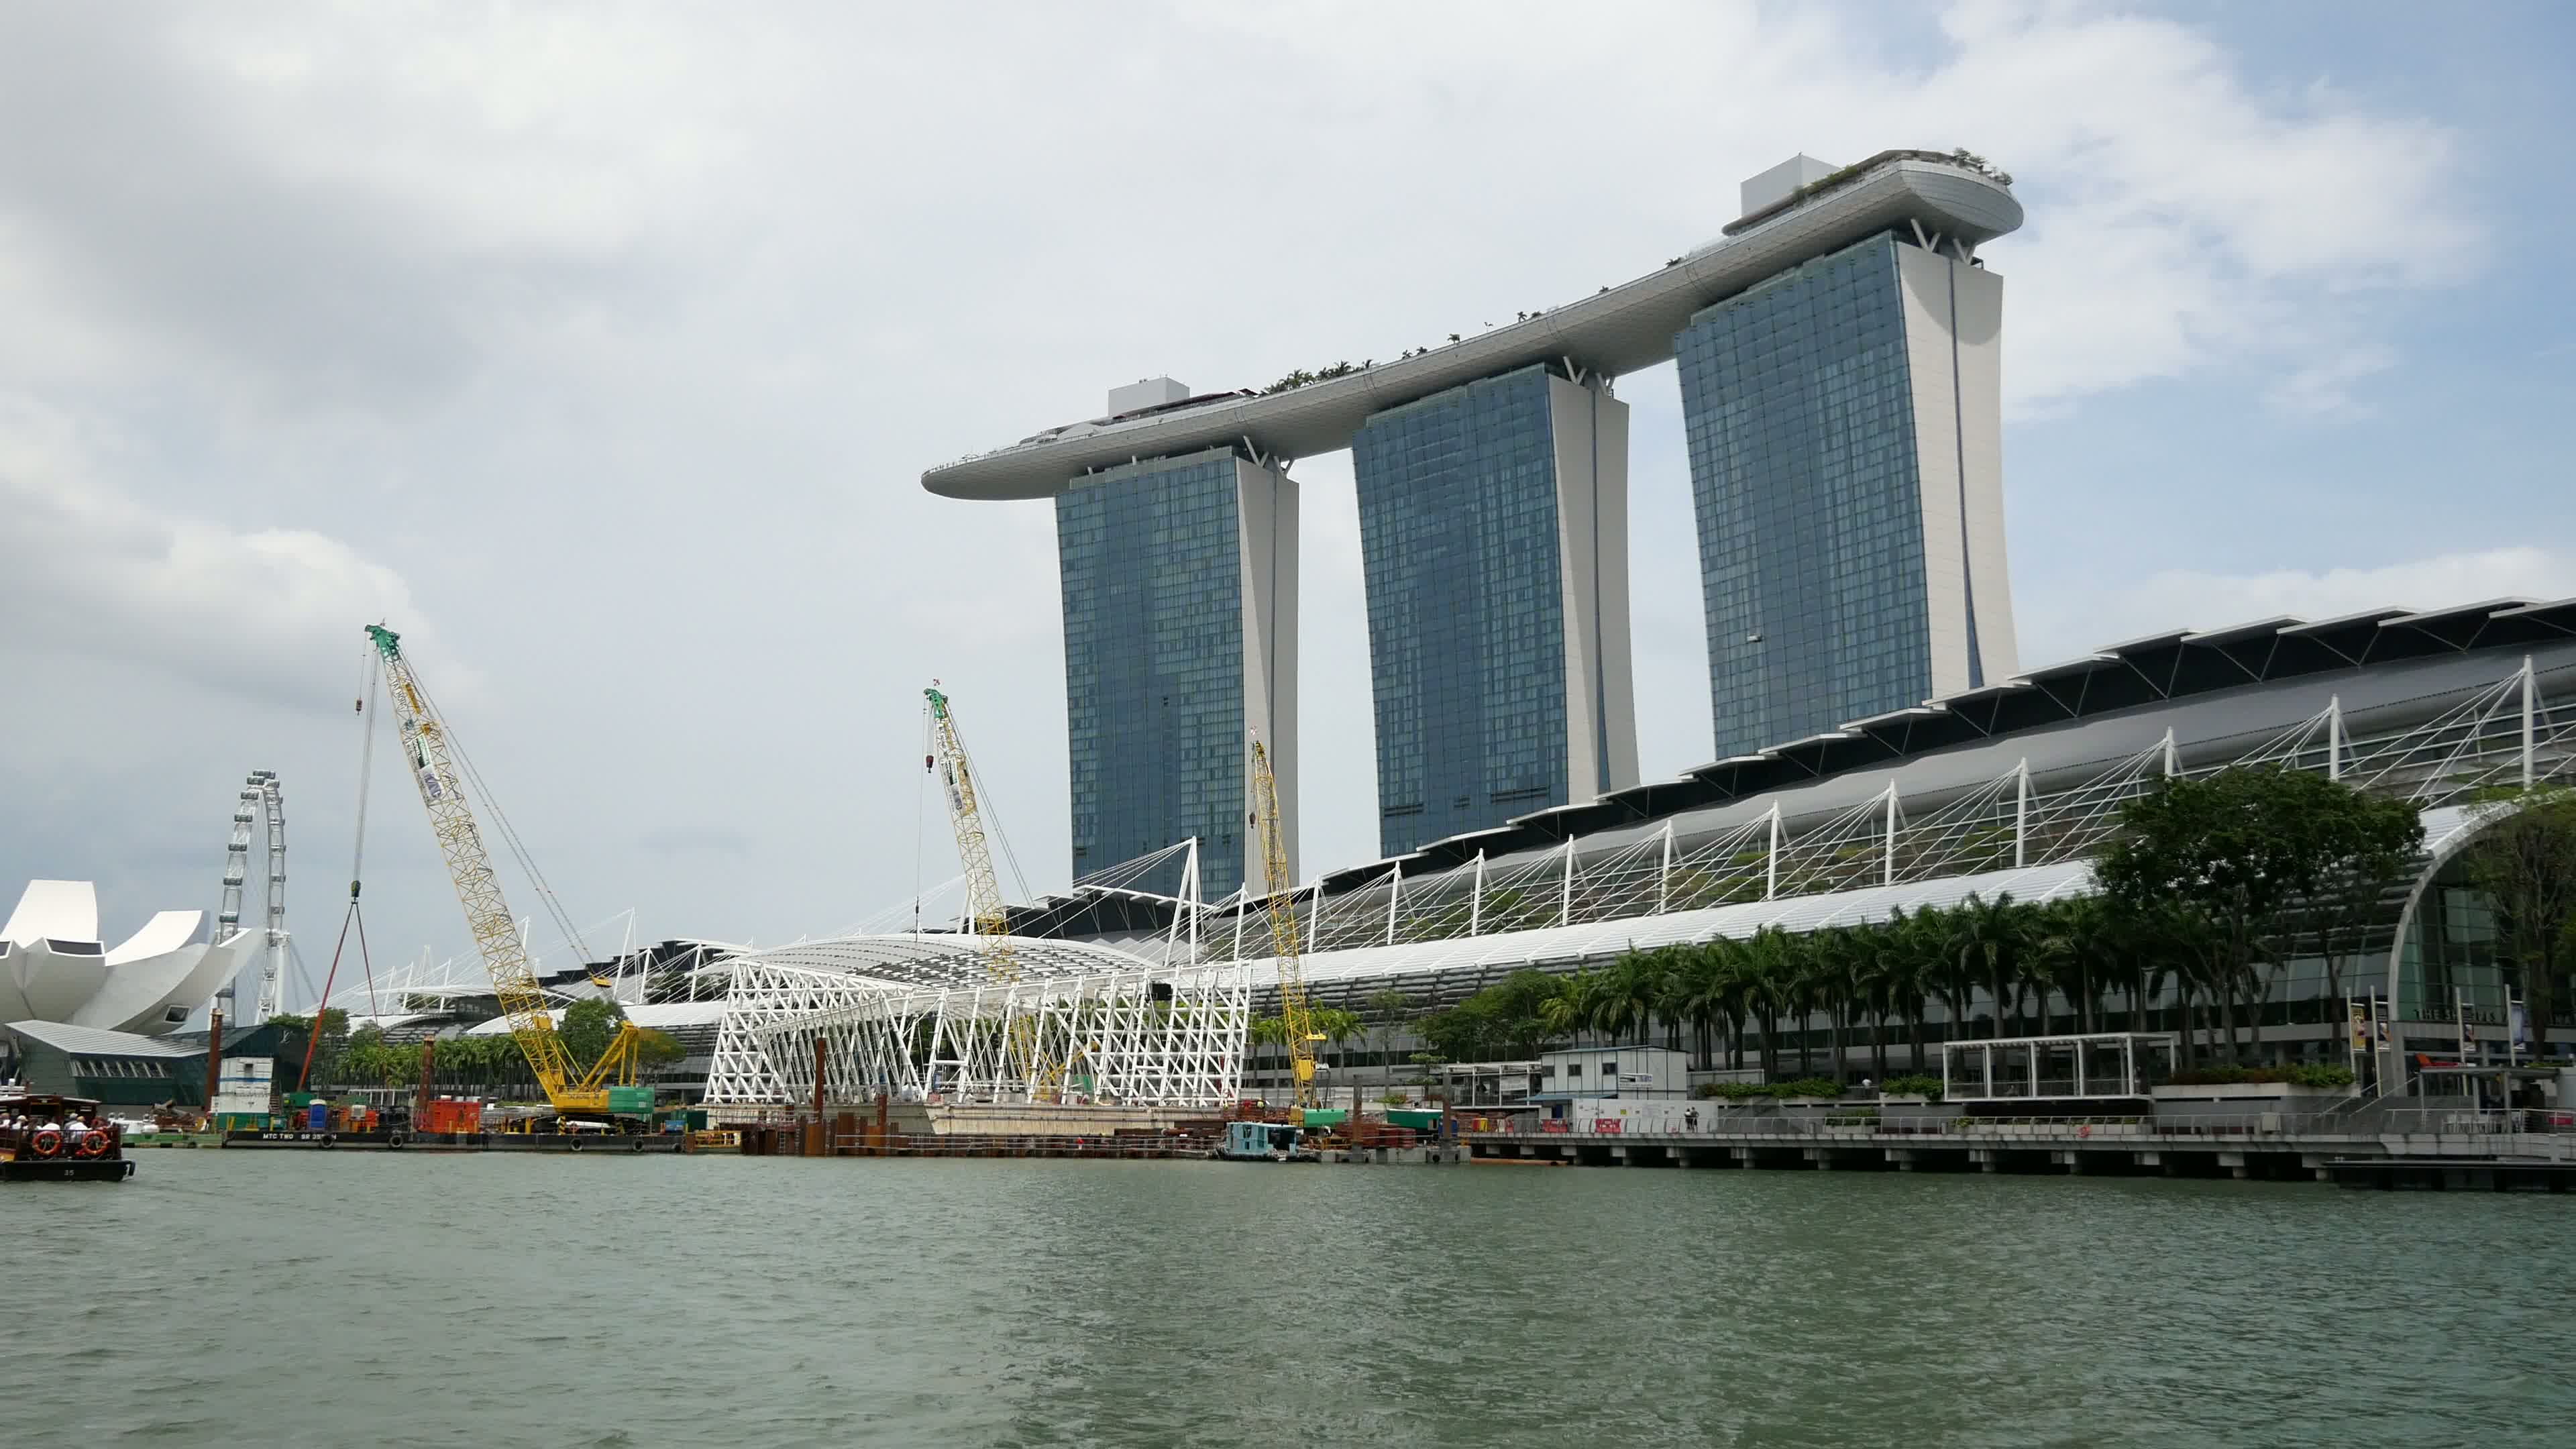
(1493, 531)
(1844, 426)
(1179, 579)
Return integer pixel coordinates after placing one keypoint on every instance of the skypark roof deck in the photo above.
(1941, 203)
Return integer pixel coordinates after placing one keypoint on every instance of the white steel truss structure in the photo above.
(1133, 1038)
(921, 1019)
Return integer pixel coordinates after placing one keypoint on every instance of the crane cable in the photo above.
(357, 862)
(509, 834)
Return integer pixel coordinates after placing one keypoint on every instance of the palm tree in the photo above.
(2073, 943)
(1914, 973)
(1699, 997)
(1987, 937)
(1878, 978)
(1562, 1012)
(1392, 1009)
(1607, 1005)
(1339, 1026)
(1829, 972)
(1772, 958)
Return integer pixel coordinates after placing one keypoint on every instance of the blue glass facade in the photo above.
(1466, 617)
(1152, 577)
(1799, 407)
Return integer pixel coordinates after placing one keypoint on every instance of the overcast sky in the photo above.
(600, 350)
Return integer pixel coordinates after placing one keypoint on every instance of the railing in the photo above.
(2466, 1121)
(1847, 1127)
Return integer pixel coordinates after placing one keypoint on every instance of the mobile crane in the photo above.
(1296, 1016)
(984, 905)
(989, 914)
(430, 756)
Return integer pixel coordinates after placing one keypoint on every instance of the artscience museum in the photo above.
(55, 968)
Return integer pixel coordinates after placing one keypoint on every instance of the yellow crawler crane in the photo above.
(984, 904)
(1296, 1018)
(431, 760)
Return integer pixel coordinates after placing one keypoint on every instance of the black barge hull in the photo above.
(67, 1169)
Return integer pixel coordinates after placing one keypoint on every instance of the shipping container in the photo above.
(449, 1115)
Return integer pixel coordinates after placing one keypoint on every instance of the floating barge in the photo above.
(665, 1143)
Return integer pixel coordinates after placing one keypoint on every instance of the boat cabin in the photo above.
(43, 1135)
(1263, 1142)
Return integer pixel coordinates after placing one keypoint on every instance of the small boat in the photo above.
(1263, 1142)
(47, 1138)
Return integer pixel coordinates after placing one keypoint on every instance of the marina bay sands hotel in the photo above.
(1840, 381)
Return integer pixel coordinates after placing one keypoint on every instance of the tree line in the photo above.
(364, 1058)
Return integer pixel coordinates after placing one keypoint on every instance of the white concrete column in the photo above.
(1394, 896)
(1887, 867)
(1771, 862)
(2529, 680)
(2021, 815)
(1476, 899)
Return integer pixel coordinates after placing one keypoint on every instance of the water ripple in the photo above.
(497, 1301)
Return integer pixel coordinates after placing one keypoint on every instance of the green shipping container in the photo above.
(299, 1099)
(636, 1101)
(1419, 1119)
(1326, 1117)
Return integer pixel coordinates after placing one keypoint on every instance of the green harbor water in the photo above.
(225, 1298)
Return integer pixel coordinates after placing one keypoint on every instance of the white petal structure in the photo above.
(53, 966)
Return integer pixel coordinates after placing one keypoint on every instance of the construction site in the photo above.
(1115, 1019)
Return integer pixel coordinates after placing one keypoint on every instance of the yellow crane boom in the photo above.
(430, 757)
(984, 904)
(1296, 1017)
(989, 913)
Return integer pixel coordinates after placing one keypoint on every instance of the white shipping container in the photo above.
(243, 1084)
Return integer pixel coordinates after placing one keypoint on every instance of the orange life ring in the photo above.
(46, 1143)
(93, 1143)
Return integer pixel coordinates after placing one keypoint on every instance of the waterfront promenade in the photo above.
(2270, 1145)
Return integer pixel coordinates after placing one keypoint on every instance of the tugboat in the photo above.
(1263, 1142)
(45, 1138)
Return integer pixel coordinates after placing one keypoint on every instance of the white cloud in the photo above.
(93, 575)
(2183, 598)
(626, 333)
(2323, 389)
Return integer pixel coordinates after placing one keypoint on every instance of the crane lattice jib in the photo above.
(1296, 1018)
(426, 753)
(984, 904)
